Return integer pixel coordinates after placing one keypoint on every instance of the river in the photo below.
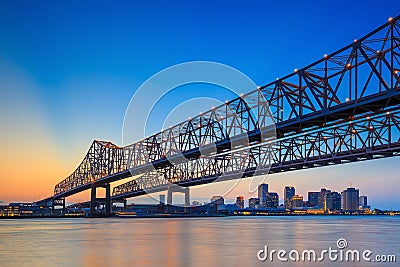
(226, 241)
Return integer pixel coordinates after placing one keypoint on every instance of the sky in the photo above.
(68, 70)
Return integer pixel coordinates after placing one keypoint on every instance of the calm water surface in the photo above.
(230, 241)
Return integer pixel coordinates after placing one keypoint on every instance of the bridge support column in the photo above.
(173, 189)
(187, 197)
(93, 201)
(108, 199)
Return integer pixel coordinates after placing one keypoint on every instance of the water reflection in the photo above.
(186, 242)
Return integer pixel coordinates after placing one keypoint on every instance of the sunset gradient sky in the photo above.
(69, 69)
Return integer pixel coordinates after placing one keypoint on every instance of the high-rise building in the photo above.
(254, 202)
(262, 193)
(240, 202)
(333, 201)
(363, 201)
(350, 199)
(322, 198)
(272, 200)
(313, 199)
(218, 200)
(289, 192)
(296, 201)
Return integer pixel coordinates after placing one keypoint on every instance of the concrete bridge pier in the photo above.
(178, 189)
(94, 200)
(108, 199)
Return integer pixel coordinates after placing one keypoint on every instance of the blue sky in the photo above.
(74, 66)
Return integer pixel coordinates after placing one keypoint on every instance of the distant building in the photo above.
(240, 202)
(262, 193)
(322, 198)
(296, 201)
(350, 199)
(162, 199)
(289, 192)
(363, 201)
(272, 200)
(254, 202)
(196, 203)
(218, 200)
(312, 199)
(333, 201)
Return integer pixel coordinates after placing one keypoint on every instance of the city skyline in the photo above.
(261, 192)
(54, 80)
(360, 198)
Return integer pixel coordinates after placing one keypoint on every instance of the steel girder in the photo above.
(366, 137)
(361, 77)
(102, 159)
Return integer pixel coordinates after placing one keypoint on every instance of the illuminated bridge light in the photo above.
(348, 65)
(325, 55)
(390, 19)
(296, 70)
(368, 118)
(355, 40)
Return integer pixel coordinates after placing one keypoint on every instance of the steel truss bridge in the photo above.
(342, 108)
